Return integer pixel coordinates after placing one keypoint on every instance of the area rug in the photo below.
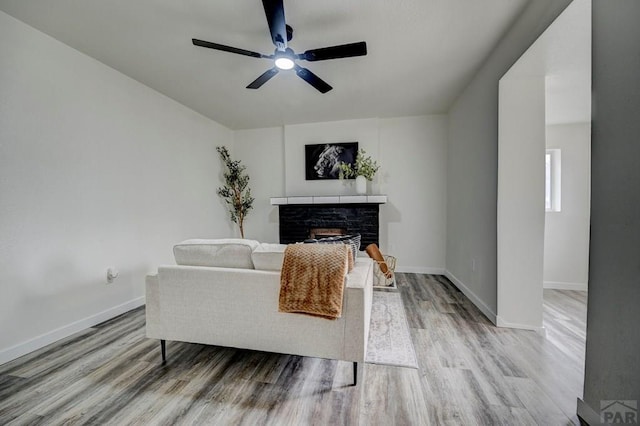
(389, 336)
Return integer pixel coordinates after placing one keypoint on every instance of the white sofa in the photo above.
(218, 298)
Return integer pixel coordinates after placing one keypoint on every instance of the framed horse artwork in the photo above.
(322, 161)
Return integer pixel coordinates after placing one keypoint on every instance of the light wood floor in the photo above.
(470, 373)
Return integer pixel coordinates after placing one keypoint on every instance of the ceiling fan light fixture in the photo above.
(284, 63)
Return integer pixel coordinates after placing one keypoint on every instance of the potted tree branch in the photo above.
(236, 192)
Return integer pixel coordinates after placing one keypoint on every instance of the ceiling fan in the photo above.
(284, 57)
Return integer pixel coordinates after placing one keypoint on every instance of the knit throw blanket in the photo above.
(312, 279)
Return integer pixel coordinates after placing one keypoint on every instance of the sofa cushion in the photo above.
(224, 253)
(268, 257)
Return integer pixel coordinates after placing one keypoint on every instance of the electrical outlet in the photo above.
(112, 274)
(473, 264)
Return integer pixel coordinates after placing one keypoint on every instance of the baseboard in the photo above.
(43, 340)
(558, 285)
(420, 270)
(500, 322)
(472, 296)
(587, 414)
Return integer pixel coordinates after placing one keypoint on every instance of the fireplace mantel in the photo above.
(330, 199)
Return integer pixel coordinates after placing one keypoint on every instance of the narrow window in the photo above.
(552, 184)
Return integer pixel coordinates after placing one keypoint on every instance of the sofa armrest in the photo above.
(153, 316)
(358, 276)
(358, 300)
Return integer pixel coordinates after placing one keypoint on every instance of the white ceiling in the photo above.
(422, 53)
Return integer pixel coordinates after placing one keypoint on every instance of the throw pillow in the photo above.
(268, 256)
(224, 253)
(352, 240)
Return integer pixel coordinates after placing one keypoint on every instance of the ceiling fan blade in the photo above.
(321, 85)
(229, 49)
(335, 52)
(274, 10)
(266, 76)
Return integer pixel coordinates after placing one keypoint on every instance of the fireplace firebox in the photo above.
(303, 221)
(318, 233)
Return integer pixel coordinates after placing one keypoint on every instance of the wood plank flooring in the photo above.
(470, 373)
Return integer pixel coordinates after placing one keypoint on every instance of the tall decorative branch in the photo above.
(236, 192)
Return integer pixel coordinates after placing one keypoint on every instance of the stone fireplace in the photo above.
(313, 217)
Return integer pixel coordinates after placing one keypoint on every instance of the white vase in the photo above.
(361, 185)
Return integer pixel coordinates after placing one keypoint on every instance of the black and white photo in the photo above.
(322, 161)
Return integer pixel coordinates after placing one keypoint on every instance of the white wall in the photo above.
(413, 224)
(412, 155)
(521, 149)
(472, 162)
(613, 342)
(365, 132)
(262, 152)
(566, 233)
(96, 170)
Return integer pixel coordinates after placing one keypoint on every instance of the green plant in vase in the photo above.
(364, 169)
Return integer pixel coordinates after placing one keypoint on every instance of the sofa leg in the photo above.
(355, 373)
(163, 348)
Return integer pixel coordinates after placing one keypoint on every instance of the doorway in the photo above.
(544, 100)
